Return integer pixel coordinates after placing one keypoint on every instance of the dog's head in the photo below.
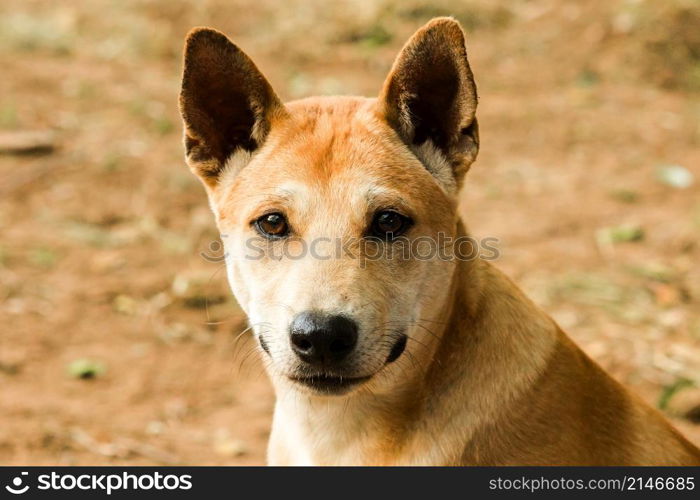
(337, 213)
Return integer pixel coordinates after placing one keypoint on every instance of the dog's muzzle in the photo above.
(321, 340)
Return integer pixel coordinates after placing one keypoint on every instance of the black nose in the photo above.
(322, 339)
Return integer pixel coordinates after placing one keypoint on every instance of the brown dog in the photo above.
(378, 356)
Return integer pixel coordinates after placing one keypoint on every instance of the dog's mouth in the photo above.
(398, 349)
(330, 384)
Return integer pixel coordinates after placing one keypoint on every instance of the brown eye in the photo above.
(389, 224)
(272, 226)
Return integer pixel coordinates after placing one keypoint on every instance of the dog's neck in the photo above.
(477, 352)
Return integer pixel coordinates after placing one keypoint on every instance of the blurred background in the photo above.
(119, 343)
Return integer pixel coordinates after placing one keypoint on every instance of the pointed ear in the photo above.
(430, 99)
(225, 102)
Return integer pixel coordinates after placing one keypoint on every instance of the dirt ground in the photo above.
(589, 176)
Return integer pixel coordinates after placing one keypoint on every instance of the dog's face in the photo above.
(318, 233)
(336, 213)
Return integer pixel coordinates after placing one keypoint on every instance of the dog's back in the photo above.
(572, 412)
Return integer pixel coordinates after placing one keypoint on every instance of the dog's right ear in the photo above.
(226, 103)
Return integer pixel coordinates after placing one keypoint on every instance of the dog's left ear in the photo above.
(430, 99)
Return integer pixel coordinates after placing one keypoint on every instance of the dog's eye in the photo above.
(272, 226)
(389, 224)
